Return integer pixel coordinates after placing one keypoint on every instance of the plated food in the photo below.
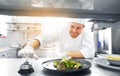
(113, 59)
(65, 63)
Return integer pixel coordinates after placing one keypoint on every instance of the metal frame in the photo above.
(58, 12)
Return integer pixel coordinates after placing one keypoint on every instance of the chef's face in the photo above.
(75, 29)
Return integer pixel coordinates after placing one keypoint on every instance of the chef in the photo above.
(75, 40)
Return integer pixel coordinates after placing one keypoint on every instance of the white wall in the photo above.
(47, 24)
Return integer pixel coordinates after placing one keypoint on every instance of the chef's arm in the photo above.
(35, 43)
(28, 50)
(87, 48)
(43, 39)
(75, 54)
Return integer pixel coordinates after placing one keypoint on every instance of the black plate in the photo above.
(48, 65)
(104, 63)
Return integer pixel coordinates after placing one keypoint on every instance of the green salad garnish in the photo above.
(65, 63)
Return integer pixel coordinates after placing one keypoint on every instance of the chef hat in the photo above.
(80, 21)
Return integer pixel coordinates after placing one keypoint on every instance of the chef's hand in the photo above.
(75, 54)
(27, 52)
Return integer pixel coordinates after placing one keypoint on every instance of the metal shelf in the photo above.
(59, 12)
(23, 29)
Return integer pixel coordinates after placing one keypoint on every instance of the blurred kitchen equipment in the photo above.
(8, 52)
(110, 40)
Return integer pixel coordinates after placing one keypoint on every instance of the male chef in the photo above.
(74, 40)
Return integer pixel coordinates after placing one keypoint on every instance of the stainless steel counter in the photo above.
(10, 67)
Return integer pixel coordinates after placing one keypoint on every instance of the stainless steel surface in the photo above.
(110, 40)
(115, 40)
(9, 52)
(60, 8)
(107, 5)
(10, 67)
(77, 4)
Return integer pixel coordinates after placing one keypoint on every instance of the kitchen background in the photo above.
(16, 31)
(21, 21)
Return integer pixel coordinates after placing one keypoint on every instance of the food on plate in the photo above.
(113, 57)
(65, 63)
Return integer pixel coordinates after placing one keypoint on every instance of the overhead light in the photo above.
(103, 20)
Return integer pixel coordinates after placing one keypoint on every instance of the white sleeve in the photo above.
(47, 38)
(87, 48)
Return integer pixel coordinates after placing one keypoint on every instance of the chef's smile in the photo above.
(75, 29)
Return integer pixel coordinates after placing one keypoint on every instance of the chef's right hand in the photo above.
(27, 51)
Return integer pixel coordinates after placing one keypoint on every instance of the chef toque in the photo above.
(80, 21)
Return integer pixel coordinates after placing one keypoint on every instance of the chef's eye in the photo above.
(72, 26)
(78, 28)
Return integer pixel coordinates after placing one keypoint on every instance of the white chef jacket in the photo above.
(84, 42)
